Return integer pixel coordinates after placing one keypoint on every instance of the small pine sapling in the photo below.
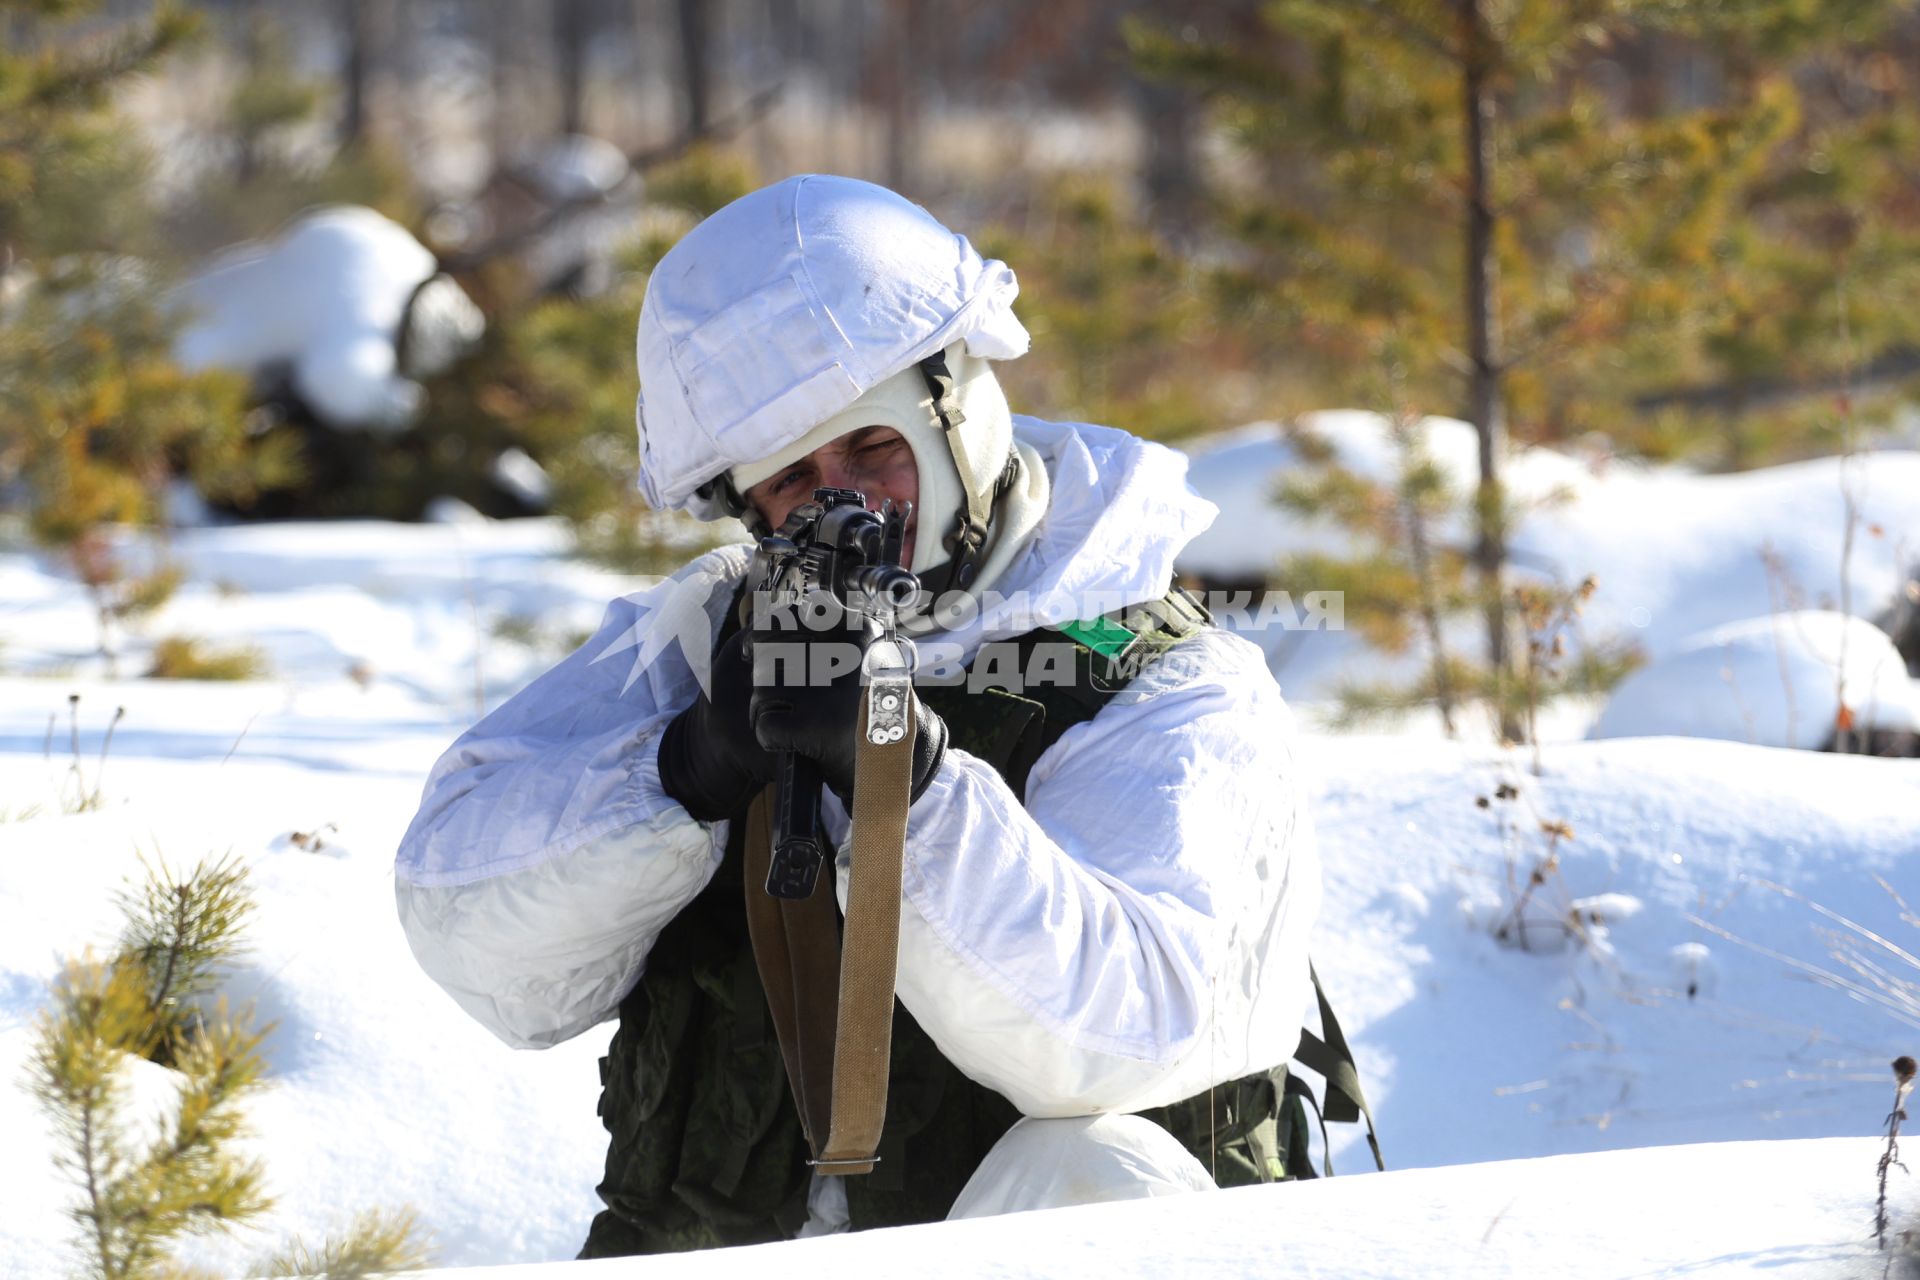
(144, 1191)
(1399, 572)
(145, 1186)
(180, 933)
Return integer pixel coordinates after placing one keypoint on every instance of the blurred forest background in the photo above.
(1635, 228)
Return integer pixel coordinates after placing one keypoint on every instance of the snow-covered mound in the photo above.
(1675, 553)
(1240, 472)
(1678, 553)
(428, 613)
(326, 301)
(1774, 681)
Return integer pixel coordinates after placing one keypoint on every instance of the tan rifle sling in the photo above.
(831, 994)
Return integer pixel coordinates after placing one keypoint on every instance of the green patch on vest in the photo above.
(1102, 635)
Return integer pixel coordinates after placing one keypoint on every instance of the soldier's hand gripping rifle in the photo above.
(833, 544)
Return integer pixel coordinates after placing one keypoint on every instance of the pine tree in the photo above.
(1399, 558)
(146, 1186)
(1457, 191)
(143, 1192)
(96, 421)
(1120, 333)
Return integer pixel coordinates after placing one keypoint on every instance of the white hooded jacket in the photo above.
(1134, 934)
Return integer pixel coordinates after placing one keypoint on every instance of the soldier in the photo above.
(1106, 895)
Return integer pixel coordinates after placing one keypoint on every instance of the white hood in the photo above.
(781, 309)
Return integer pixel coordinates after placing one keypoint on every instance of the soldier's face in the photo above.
(877, 461)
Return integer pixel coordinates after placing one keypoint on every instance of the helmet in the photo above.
(776, 315)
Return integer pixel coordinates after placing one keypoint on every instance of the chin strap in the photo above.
(978, 478)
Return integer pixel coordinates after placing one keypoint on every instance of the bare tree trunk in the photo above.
(905, 32)
(696, 70)
(356, 28)
(1168, 114)
(1485, 409)
(570, 30)
(253, 51)
(789, 32)
(500, 56)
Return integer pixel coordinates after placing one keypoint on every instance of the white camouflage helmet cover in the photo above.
(781, 309)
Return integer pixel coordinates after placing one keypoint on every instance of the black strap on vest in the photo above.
(1329, 1055)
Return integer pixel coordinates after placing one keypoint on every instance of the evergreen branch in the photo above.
(375, 1244)
(1590, 294)
(96, 1018)
(1404, 23)
(176, 940)
(60, 80)
(1212, 68)
(181, 931)
(88, 1151)
(1887, 369)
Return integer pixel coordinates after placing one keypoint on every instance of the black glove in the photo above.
(821, 720)
(709, 760)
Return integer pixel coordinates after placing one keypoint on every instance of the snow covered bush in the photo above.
(329, 304)
(547, 399)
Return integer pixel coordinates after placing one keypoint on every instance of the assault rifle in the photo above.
(833, 544)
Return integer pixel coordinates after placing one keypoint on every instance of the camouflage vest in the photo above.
(706, 1147)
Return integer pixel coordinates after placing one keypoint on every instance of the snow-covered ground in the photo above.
(1776, 1210)
(1664, 985)
(1676, 555)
